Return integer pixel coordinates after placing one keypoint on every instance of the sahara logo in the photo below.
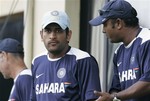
(129, 74)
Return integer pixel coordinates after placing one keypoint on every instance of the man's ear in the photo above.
(119, 23)
(41, 33)
(69, 35)
(4, 55)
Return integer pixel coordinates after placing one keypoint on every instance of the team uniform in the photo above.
(22, 86)
(132, 63)
(72, 77)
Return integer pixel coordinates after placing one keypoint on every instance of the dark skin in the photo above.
(55, 40)
(118, 32)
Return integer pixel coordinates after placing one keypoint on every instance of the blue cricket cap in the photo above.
(114, 9)
(11, 45)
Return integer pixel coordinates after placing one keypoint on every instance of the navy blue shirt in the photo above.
(72, 77)
(22, 86)
(132, 64)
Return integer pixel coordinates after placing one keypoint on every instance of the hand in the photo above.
(103, 96)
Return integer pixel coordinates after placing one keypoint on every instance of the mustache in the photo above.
(53, 41)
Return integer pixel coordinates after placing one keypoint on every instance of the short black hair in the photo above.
(67, 30)
(21, 55)
(129, 22)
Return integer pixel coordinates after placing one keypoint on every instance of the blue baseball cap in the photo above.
(11, 45)
(114, 9)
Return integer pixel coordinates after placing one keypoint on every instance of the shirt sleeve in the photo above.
(88, 74)
(22, 88)
(144, 60)
(32, 95)
(115, 86)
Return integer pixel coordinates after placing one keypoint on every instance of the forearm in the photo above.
(139, 89)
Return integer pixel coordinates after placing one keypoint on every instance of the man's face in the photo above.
(112, 30)
(3, 65)
(55, 38)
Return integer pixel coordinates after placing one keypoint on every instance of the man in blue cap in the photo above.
(131, 79)
(12, 66)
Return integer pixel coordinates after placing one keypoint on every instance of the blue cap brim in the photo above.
(97, 21)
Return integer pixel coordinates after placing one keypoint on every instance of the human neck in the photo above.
(18, 70)
(131, 34)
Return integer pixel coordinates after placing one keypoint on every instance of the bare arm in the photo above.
(138, 89)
